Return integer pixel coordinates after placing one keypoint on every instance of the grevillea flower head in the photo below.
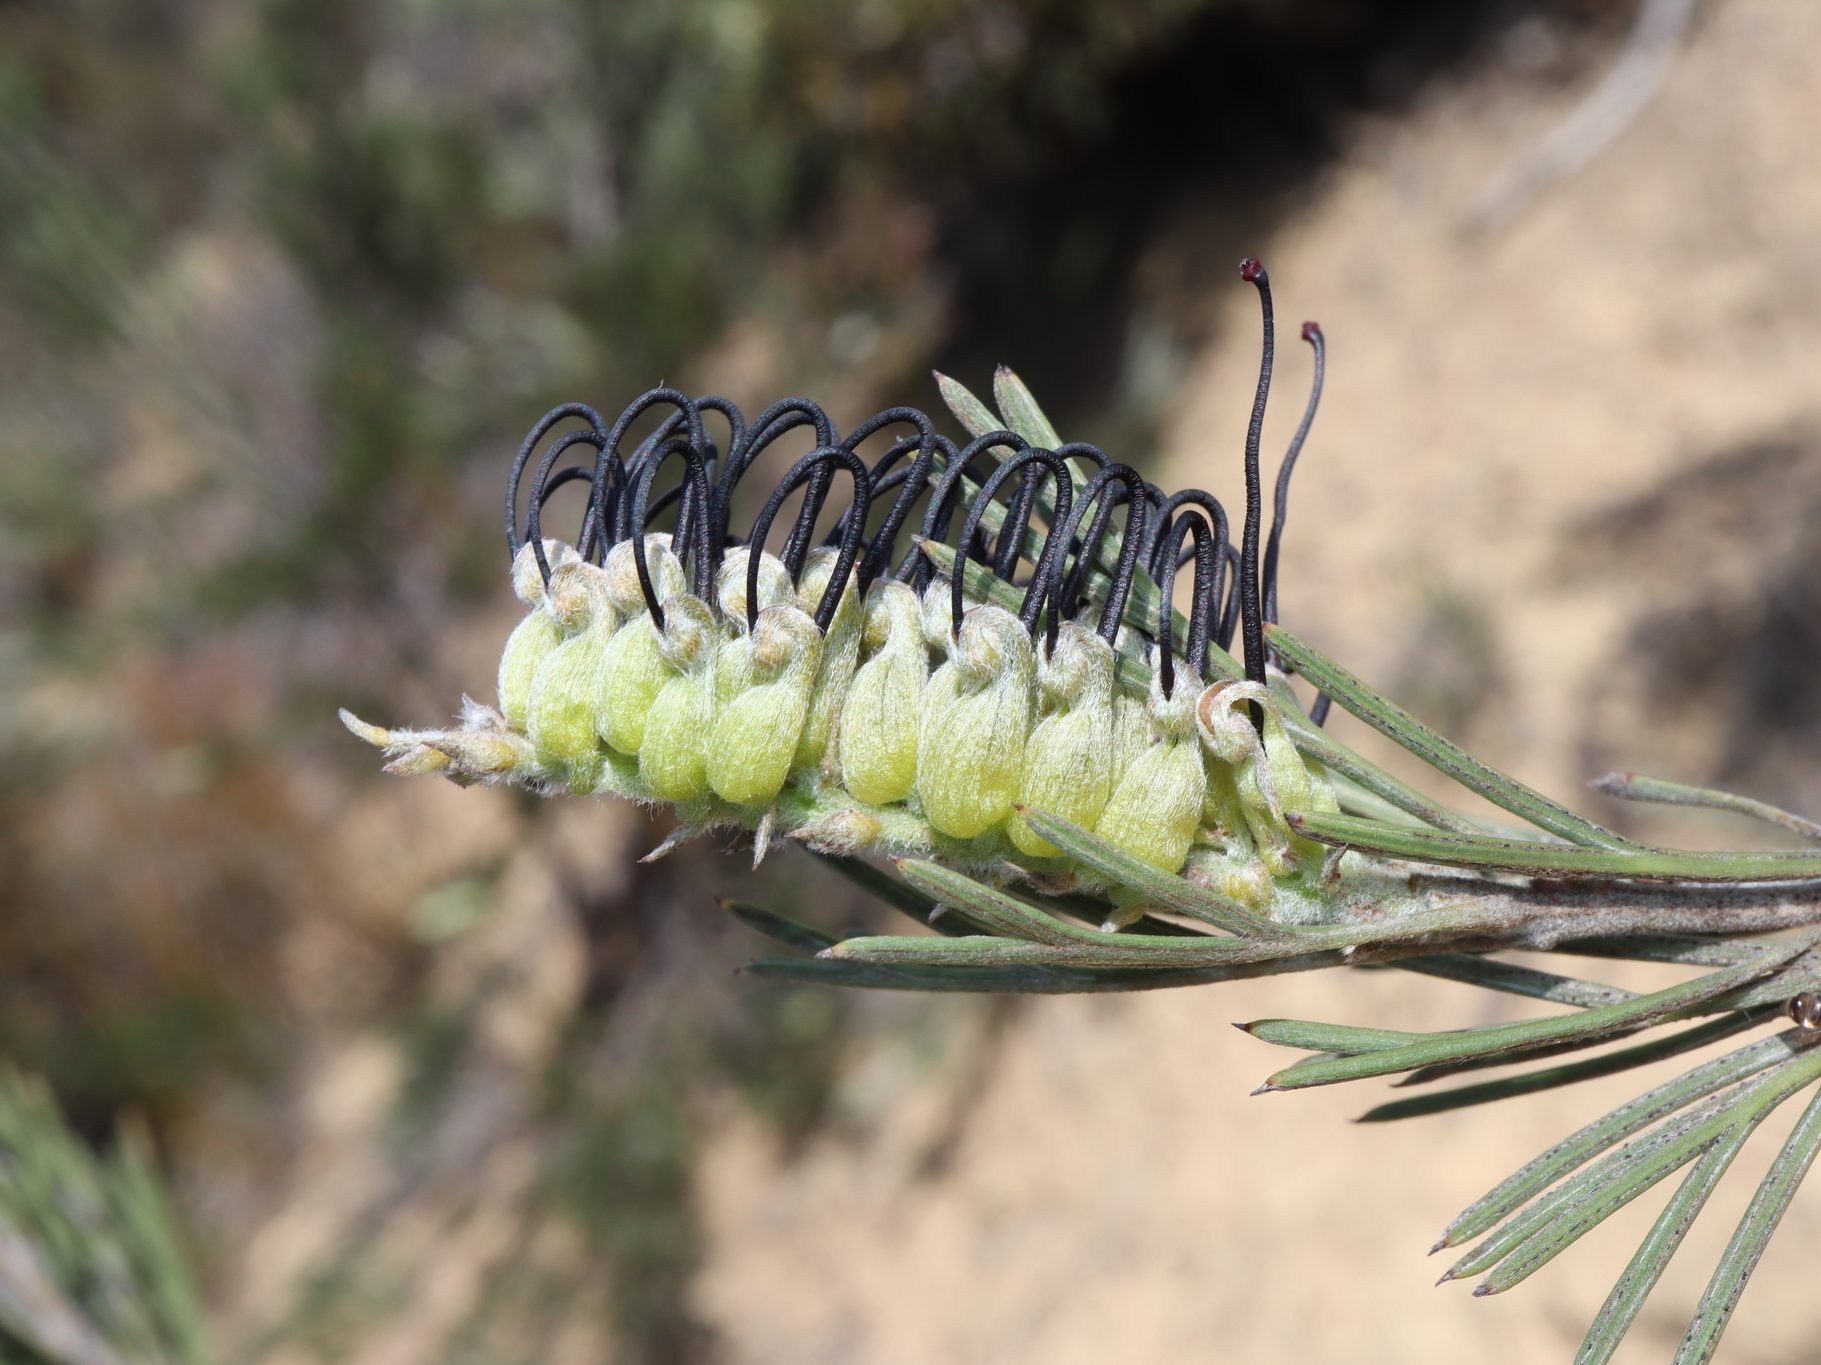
(935, 644)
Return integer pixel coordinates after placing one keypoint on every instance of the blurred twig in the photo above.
(1596, 122)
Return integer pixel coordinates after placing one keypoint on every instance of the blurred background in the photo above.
(437, 1075)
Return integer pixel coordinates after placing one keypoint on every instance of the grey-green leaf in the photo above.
(1751, 1237)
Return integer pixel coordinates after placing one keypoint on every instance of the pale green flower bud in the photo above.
(1155, 808)
(560, 720)
(733, 660)
(1225, 723)
(527, 578)
(1133, 732)
(840, 658)
(756, 733)
(1248, 882)
(477, 754)
(843, 832)
(970, 754)
(482, 748)
(420, 760)
(534, 637)
(623, 574)
(730, 585)
(878, 740)
(1068, 763)
(632, 670)
(1221, 814)
(938, 614)
(673, 757)
(1301, 785)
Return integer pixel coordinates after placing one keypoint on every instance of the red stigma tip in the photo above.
(1311, 331)
(1250, 269)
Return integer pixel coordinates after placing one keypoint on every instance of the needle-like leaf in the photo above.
(1574, 1151)
(778, 928)
(1020, 410)
(1636, 787)
(1444, 755)
(1493, 975)
(1751, 1237)
(1506, 1038)
(1625, 1181)
(1151, 884)
(1552, 1078)
(1492, 853)
(1654, 1252)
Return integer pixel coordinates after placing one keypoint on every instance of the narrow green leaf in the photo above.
(1552, 1078)
(1316, 743)
(1206, 950)
(1442, 754)
(1493, 975)
(1635, 787)
(1605, 1132)
(1317, 1037)
(777, 927)
(1019, 980)
(1092, 910)
(1492, 853)
(1154, 885)
(1584, 1184)
(968, 410)
(1653, 1254)
(1369, 805)
(1687, 949)
(1630, 1180)
(1020, 410)
(1504, 1038)
(1000, 913)
(1751, 1237)
(1128, 950)
(881, 885)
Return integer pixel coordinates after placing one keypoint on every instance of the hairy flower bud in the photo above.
(840, 657)
(970, 753)
(756, 732)
(937, 608)
(730, 585)
(560, 715)
(1224, 721)
(878, 742)
(1155, 808)
(842, 832)
(632, 670)
(532, 638)
(673, 756)
(1068, 763)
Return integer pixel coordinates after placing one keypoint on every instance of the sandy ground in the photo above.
(1494, 522)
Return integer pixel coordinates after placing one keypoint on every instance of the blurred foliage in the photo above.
(91, 1269)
